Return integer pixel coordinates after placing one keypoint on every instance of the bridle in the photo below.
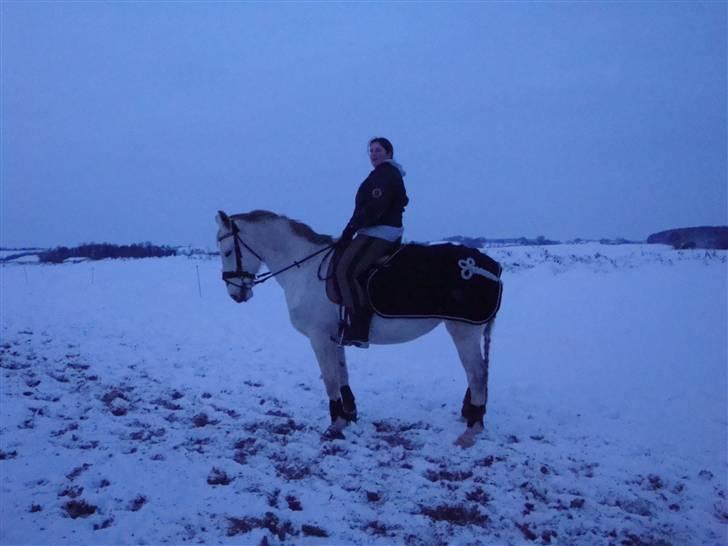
(248, 280)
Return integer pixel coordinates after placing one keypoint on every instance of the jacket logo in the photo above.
(377, 193)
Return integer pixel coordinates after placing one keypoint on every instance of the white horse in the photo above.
(293, 253)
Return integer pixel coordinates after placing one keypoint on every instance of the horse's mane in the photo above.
(299, 228)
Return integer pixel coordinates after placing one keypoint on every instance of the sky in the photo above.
(127, 122)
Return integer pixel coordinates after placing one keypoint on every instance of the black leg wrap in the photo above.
(348, 410)
(466, 404)
(335, 409)
(474, 414)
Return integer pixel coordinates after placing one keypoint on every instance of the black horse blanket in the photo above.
(437, 281)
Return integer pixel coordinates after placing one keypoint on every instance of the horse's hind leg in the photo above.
(466, 410)
(467, 339)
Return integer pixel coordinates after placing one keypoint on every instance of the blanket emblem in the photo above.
(468, 269)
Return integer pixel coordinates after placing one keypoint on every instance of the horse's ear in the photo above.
(222, 219)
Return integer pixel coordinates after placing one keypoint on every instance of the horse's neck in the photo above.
(280, 247)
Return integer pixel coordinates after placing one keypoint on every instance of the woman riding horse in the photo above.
(287, 247)
(375, 230)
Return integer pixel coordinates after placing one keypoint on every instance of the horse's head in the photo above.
(240, 263)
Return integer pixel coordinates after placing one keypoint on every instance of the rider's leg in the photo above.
(349, 256)
(360, 312)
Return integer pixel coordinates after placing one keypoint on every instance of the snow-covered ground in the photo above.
(141, 408)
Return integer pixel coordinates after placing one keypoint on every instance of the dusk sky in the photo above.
(136, 121)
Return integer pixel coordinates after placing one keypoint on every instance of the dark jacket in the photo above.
(380, 200)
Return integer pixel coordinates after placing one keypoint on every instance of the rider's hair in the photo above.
(384, 143)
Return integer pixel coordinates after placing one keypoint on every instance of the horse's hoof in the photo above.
(332, 433)
(467, 438)
(335, 430)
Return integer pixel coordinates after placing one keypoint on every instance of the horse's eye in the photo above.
(227, 254)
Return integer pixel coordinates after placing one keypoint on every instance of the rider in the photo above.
(374, 230)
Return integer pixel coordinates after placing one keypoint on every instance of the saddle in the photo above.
(444, 281)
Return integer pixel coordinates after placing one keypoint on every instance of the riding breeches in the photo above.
(358, 257)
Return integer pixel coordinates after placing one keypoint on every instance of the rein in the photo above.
(269, 275)
(249, 280)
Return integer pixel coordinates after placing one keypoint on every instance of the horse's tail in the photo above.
(487, 331)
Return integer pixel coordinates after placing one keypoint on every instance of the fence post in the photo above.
(199, 286)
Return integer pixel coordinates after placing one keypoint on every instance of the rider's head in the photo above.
(380, 149)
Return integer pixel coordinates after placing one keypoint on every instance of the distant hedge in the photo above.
(478, 242)
(101, 251)
(693, 237)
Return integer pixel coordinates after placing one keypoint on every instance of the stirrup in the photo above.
(359, 343)
(345, 339)
(342, 340)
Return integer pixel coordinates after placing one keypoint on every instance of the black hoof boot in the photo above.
(474, 415)
(348, 404)
(334, 432)
(466, 404)
(335, 410)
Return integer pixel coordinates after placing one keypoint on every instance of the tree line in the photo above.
(101, 251)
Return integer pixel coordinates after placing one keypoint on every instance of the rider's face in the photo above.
(377, 154)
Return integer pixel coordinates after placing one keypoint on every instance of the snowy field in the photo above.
(139, 408)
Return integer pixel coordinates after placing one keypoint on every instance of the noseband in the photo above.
(248, 280)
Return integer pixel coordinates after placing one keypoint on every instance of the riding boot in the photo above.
(357, 331)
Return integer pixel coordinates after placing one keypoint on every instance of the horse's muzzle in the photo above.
(243, 295)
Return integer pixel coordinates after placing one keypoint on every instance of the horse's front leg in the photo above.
(348, 402)
(332, 363)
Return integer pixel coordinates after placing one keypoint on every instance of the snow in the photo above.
(126, 389)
